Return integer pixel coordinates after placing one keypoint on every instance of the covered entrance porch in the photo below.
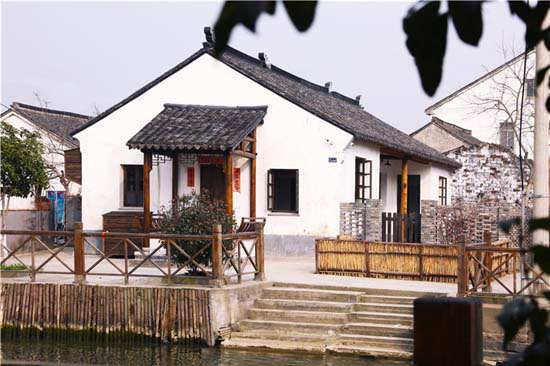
(208, 147)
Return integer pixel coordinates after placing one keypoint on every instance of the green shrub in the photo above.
(195, 214)
(12, 267)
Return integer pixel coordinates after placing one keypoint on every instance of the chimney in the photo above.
(358, 99)
(328, 85)
(265, 60)
(209, 37)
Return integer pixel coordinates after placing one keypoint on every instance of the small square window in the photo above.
(282, 190)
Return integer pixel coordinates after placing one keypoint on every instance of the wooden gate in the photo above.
(391, 227)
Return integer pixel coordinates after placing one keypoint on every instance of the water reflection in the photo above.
(42, 352)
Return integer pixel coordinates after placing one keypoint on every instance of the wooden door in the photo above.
(213, 180)
(413, 194)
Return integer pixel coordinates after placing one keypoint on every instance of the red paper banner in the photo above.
(190, 177)
(211, 159)
(237, 179)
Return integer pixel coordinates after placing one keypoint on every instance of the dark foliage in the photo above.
(526, 309)
(425, 27)
(195, 214)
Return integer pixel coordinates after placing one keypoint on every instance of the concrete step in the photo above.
(376, 329)
(282, 326)
(386, 299)
(280, 304)
(294, 293)
(374, 317)
(316, 347)
(282, 336)
(383, 308)
(368, 291)
(298, 316)
(402, 344)
(376, 352)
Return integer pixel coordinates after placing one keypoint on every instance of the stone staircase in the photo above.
(322, 318)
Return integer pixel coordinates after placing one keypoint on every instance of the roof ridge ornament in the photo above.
(210, 39)
(265, 60)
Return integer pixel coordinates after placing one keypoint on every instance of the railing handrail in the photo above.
(236, 258)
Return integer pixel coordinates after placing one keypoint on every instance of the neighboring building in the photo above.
(490, 106)
(490, 173)
(268, 142)
(55, 129)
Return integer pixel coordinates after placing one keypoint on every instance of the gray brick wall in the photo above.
(361, 221)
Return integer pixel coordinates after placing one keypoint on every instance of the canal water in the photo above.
(43, 352)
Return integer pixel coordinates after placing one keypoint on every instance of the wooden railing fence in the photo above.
(410, 261)
(233, 255)
(480, 266)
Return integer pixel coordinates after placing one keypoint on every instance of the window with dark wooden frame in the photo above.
(282, 190)
(363, 179)
(133, 185)
(442, 191)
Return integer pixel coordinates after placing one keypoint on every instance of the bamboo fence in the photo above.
(408, 261)
(116, 312)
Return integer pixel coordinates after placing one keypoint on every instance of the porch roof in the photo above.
(198, 127)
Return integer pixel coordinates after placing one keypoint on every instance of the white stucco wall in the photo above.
(290, 138)
(467, 111)
(429, 182)
(19, 122)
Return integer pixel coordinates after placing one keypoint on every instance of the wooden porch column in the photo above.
(175, 175)
(404, 194)
(147, 166)
(229, 183)
(253, 178)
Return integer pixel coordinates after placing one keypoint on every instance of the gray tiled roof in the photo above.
(194, 127)
(460, 133)
(339, 110)
(59, 123)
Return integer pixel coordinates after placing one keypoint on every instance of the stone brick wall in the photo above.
(428, 212)
(361, 221)
(489, 173)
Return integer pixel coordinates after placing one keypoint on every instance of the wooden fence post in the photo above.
(488, 262)
(260, 253)
(217, 265)
(79, 264)
(462, 269)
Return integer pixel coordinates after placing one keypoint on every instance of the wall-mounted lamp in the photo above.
(387, 163)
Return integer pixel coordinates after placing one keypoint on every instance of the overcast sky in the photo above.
(79, 56)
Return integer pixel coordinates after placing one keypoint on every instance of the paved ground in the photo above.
(279, 269)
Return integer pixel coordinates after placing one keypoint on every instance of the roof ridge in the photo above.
(179, 105)
(429, 110)
(290, 75)
(16, 105)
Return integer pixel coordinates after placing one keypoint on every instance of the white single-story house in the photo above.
(268, 142)
(55, 129)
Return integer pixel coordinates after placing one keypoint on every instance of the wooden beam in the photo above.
(175, 175)
(404, 194)
(251, 138)
(244, 154)
(229, 183)
(253, 178)
(147, 166)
